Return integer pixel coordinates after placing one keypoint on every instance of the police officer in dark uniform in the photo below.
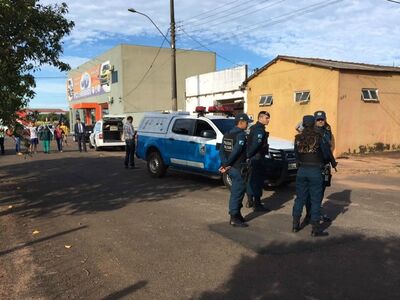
(233, 161)
(311, 154)
(324, 129)
(257, 148)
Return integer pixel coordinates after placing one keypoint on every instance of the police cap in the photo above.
(320, 115)
(242, 117)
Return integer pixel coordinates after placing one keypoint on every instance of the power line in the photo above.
(398, 2)
(279, 19)
(203, 46)
(235, 15)
(194, 18)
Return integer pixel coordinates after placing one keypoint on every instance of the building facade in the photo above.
(362, 101)
(130, 79)
(221, 88)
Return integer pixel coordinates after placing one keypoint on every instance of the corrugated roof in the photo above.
(329, 64)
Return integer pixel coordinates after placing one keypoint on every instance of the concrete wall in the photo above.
(223, 86)
(281, 80)
(363, 124)
(154, 92)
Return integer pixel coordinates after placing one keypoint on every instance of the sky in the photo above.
(251, 32)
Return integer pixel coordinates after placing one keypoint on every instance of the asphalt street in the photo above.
(80, 226)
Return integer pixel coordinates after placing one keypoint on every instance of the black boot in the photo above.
(250, 201)
(296, 224)
(316, 230)
(258, 206)
(236, 221)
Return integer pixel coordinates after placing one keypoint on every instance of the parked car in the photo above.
(107, 133)
(191, 144)
(88, 132)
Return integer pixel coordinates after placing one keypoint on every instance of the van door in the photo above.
(205, 151)
(181, 144)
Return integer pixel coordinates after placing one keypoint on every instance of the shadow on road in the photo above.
(86, 185)
(276, 201)
(126, 291)
(39, 240)
(351, 266)
(337, 204)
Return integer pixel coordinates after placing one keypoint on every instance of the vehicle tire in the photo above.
(227, 181)
(155, 165)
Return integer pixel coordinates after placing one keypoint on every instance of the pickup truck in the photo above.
(191, 143)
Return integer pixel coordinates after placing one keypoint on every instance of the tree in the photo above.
(30, 37)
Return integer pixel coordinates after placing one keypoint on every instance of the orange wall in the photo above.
(362, 123)
(281, 80)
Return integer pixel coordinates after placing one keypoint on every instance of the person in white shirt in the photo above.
(34, 141)
(129, 134)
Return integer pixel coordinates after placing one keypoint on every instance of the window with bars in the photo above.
(265, 100)
(302, 96)
(369, 95)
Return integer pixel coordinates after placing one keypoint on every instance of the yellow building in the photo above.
(362, 101)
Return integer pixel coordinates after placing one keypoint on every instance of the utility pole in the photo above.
(173, 59)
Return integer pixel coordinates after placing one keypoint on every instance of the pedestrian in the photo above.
(65, 130)
(58, 134)
(79, 129)
(322, 126)
(257, 149)
(129, 134)
(311, 153)
(45, 136)
(3, 130)
(233, 162)
(33, 134)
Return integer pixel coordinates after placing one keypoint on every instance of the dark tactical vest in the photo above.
(308, 148)
(228, 142)
(265, 147)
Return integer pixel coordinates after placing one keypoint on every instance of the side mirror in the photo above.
(208, 134)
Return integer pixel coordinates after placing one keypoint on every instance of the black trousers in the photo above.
(2, 145)
(130, 153)
(80, 138)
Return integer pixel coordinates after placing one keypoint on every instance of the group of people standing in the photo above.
(243, 158)
(31, 134)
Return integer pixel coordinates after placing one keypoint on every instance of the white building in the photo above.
(221, 88)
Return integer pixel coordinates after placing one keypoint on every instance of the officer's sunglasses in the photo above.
(319, 120)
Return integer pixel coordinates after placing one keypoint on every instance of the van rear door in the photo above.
(112, 129)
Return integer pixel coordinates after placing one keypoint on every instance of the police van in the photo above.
(191, 143)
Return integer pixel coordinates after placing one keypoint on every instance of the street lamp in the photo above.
(173, 51)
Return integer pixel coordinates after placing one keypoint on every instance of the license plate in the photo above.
(113, 128)
(292, 166)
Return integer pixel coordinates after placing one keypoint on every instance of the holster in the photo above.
(327, 175)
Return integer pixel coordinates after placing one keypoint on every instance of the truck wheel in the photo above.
(227, 181)
(155, 165)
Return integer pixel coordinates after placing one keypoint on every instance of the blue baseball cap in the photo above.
(320, 115)
(243, 117)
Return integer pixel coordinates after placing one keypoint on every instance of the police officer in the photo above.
(233, 159)
(257, 148)
(311, 154)
(322, 126)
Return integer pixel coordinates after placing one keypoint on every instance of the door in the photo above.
(206, 152)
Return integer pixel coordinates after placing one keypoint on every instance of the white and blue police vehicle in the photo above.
(191, 143)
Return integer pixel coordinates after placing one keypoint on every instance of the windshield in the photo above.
(224, 125)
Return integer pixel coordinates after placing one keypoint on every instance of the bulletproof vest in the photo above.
(308, 148)
(228, 142)
(263, 150)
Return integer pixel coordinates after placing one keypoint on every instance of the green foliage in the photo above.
(30, 37)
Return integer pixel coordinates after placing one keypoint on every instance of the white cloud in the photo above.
(357, 30)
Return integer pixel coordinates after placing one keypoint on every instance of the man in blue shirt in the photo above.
(233, 160)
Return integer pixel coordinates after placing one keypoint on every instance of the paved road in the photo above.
(133, 237)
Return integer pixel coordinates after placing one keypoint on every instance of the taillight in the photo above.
(100, 136)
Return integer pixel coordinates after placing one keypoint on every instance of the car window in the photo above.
(202, 126)
(183, 126)
(224, 125)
